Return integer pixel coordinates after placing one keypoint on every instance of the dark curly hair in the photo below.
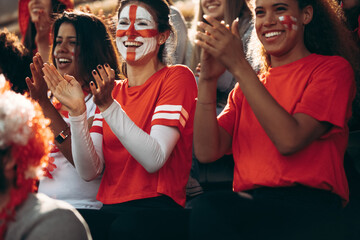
(14, 61)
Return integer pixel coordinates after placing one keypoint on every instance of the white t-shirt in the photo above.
(66, 184)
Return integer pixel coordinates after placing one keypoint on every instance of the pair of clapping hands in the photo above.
(222, 47)
(67, 89)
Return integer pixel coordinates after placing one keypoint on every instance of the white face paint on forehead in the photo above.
(136, 33)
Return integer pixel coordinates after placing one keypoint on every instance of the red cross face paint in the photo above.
(289, 22)
(136, 33)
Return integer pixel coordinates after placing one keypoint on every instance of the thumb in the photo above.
(69, 78)
(235, 27)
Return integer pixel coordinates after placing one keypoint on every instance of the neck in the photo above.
(292, 56)
(138, 74)
(4, 199)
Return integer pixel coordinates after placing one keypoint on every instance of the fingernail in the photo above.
(205, 16)
(106, 65)
(94, 72)
(92, 83)
(99, 67)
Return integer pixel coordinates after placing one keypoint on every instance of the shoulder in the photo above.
(180, 69)
(330, 62)
(41, 216)
(332, 67)
(180, 75)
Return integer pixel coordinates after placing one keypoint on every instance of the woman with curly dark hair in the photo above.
(14, 56)
(286, 127)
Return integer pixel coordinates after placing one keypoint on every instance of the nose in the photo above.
(131, 30)
(62, 47)
(270, 19)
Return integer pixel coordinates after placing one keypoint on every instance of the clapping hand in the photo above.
(66, 89)
(37, 85)
(221, 42)
(102, 91)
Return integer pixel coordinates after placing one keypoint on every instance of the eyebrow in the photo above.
(274, 5)
(136, 18)
(66, 37)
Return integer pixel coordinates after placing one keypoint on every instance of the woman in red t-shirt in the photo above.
(286, 126)
(141, 137)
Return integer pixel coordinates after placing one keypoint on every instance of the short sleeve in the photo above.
(176, 100)
(227, 117)
(329, 94)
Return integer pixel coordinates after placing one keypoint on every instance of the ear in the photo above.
(308, 12)
(163, 37)
(9, 162)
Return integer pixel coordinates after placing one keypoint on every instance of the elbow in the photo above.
(288, 148)
(88, 178)
(204, 157)
(152, 169)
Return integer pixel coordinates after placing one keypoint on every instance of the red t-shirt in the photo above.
(166, 98)
(322, 87)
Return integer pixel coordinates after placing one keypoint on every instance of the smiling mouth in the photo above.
(211, 7)
(36, 10)
(64, 60)
(132, 44)
(272, 34)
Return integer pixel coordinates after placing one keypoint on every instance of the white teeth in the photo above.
(212, 7)
(272, 34)
(64, 60)
(132, 44)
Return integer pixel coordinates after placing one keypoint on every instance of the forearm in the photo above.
(57, 125)
(43, 48)
(287, 132)
(87, 155)
(206, 130)
(155, 148)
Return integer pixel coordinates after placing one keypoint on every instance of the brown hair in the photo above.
(14, 56)
(94, 44)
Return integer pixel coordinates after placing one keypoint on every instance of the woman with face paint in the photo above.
(142, 131)
(35, 19)
(286, 127)
(73, 56)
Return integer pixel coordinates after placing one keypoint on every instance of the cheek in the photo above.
(289, 22)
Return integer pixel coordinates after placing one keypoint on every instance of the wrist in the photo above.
(105, 106)
(78, 109)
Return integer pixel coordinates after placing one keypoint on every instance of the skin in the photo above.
(347, 4)
(214, 8)
(65, 45)
(65, 49)
(40, 11)
(8, 172)
(68, 91)
(222, 48)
